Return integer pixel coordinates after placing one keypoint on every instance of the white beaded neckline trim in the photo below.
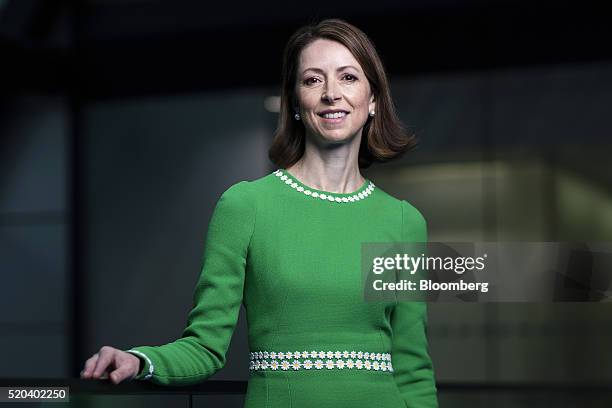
(307, 360)
(325, 196)
(150, 374)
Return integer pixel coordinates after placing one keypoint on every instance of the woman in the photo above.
(288, 245)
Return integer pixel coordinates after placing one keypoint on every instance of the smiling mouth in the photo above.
(335, 115)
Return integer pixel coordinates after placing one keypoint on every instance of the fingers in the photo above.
(96, 366)
(90, 364)
(122, 373)
(101, 364)
(105, 359)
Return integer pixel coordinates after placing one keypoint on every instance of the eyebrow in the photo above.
(342, 68)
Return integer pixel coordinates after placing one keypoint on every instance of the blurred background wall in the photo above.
(122, 122)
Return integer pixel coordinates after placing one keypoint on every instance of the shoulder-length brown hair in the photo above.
(383, 137)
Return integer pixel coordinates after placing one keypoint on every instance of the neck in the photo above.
(332, 168)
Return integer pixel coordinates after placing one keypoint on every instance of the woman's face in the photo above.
(333, 93)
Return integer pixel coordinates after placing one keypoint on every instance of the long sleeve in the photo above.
(201, 350)
(412, 366)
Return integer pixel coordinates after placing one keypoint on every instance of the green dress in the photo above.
(291, 254)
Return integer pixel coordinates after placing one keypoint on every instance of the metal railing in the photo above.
(491, 390)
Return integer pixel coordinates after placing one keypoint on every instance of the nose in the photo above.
(330, 93)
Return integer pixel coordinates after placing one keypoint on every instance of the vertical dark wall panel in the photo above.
(155, 169)
(33, 237)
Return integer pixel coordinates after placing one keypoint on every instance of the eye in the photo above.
(310, 81)
(350, 77)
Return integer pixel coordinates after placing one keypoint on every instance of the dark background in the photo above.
(121, 123)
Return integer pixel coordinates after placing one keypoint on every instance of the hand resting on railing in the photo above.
(112, 363)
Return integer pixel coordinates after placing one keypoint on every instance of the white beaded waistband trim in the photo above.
(317, 360)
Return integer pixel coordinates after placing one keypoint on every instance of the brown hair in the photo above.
(383, 137)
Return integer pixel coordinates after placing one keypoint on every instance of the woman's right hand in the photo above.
(111, 363)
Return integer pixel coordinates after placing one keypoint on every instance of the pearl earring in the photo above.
(372, 113)
(297, 116)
